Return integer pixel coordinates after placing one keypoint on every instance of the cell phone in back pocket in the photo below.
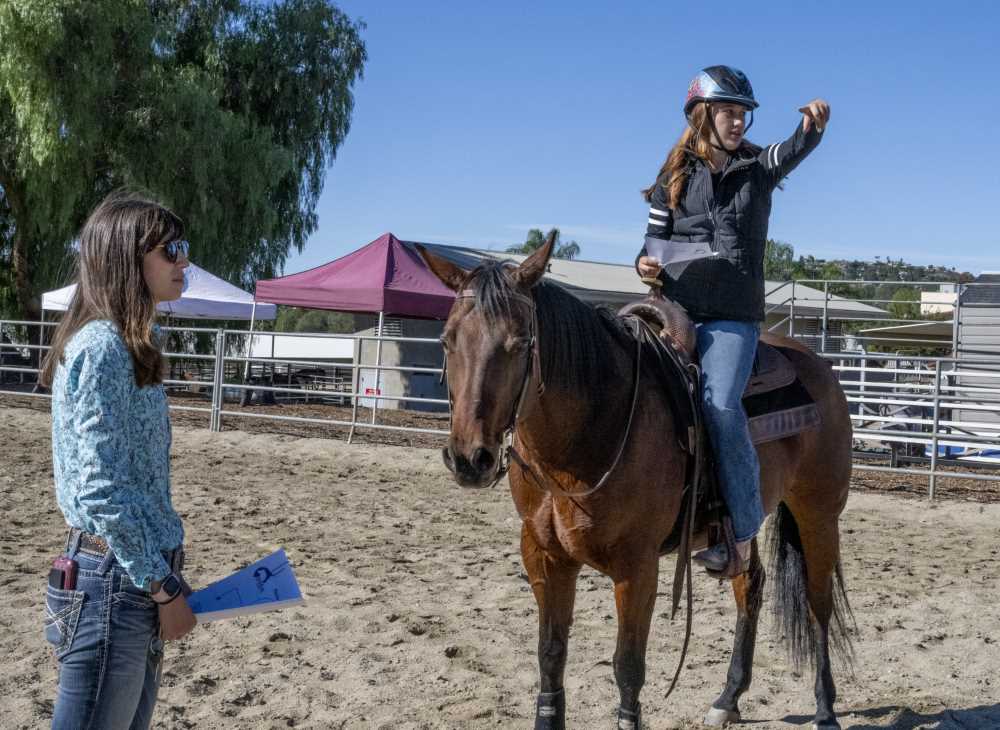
(63, 573)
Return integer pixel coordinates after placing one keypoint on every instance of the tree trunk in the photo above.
(29, 304)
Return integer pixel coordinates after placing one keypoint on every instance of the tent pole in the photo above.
(246, 395)
(246, 365)
(355, 386)
(378, 364)
(274, 334)
(41, 343)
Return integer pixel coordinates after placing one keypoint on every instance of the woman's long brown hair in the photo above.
(110, 284)
(694, 142)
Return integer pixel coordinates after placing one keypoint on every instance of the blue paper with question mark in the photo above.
(266, 585)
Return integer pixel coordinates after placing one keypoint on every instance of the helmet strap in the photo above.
(715, 132)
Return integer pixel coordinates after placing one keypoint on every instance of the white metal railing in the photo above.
(223, 378)
(939, 409)
(941, 412)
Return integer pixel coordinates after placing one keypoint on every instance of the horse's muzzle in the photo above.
(474, 471)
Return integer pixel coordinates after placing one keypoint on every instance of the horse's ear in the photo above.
(531, 270)
(451, 276)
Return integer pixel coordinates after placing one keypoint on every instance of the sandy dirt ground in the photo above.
(418, 614)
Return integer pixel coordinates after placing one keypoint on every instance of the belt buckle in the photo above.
(93, 543)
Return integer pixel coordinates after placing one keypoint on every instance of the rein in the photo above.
(621, 445)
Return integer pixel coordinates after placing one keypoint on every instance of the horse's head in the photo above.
(489, 342)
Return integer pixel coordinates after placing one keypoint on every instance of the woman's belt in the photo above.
(88, 542)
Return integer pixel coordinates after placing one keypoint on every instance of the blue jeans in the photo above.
(105, 635)
(726, 349)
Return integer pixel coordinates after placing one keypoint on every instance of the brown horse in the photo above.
(507, 335)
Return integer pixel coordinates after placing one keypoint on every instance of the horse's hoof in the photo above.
(831, 725)
(717, 717)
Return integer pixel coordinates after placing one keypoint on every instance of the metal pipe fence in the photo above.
(222, 386)
(933, 403)
(922, 375)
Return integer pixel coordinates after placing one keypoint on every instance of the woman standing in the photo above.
(715, 187)
(120, 594)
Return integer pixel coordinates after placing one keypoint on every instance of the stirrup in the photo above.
(725, 565)
(734, 566)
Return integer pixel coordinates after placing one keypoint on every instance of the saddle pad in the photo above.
(778, 413)
(771, 370)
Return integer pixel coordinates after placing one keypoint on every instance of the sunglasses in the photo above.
(174, 250)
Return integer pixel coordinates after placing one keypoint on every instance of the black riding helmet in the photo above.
(723, 84)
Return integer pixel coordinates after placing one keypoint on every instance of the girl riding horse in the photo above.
(715, 187)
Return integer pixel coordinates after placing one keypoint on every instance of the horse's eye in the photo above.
(444, 343)
(518, 344)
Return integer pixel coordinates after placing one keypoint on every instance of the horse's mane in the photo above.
(574, 336)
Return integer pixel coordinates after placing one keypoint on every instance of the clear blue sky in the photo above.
(477, 121)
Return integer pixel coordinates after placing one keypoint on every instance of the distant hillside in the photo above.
(780, 264)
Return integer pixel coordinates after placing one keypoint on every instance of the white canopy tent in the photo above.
(205, 297)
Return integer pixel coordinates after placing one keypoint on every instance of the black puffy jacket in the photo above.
(732, 217)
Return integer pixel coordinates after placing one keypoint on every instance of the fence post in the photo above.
(215, 423)
(956, 320)
(356, 386)
(862, 379)
(378, 364)
(826, 312)
(934, 432)
(791, 313)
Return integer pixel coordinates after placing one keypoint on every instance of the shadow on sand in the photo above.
(900, 717)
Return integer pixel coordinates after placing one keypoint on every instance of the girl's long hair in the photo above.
(110, 284)
(694, 143)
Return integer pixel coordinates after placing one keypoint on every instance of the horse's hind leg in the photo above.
(748, 592)
(807, 565)
(554, 585)
(635, 598)
(821, 566)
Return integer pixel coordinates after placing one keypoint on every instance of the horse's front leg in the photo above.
(553, 582)
(748, 591)
(635, 597)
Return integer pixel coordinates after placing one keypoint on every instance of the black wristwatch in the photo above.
(170, 588)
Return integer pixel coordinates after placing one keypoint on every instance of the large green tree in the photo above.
(905, 304)
(229, 111)
(779, 260)
(535, 239)
(294, 319)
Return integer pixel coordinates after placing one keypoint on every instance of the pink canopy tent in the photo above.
(386, 276)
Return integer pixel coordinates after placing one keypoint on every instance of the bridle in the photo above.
(532, 369)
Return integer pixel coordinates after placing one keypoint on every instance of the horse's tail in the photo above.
(789, 578)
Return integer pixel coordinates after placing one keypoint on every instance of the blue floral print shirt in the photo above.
(111, 453)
